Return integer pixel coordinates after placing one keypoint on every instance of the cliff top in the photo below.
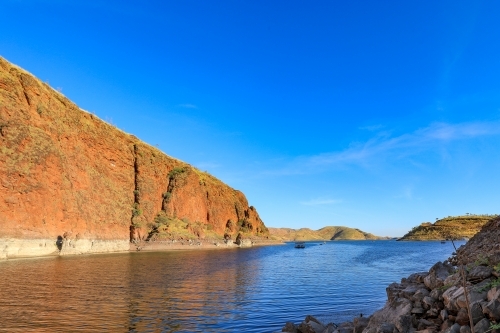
(457, 227)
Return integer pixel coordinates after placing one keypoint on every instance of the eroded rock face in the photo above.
(66, 173)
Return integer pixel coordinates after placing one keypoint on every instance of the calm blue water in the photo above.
(240, 290)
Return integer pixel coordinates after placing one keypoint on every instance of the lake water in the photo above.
(239, 290)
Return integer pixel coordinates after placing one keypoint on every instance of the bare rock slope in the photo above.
(69, 179)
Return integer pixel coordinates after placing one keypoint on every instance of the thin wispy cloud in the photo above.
(187, 106)
(384, 145)
(409, 143)
(407, 193)
(317, 202)
(371, 128)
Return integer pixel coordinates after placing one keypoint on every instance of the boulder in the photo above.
(346, 327)
(390, 313)
(428, 301)
(433, 312)
(492, 309)
(417, 311)
(493, 293)
(446, 325)
(476, 312)
(330, 328)
(482, 326)
(289, 327)
(452, 279)
(443, 314)
(462, 317)
(437, 275)
(393, 291)
(450, 297)
(484, 285)
(404, 324)
(479, 273)
(311, 325)
(475, 295)
(410, 290)
(437, 294)
(420, 294)
(360, 323)
(386, 328)
(415, 278)
(455, 328)
(423, 324)
(465, 329)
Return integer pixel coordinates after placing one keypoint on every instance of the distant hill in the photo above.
(326, 233)
(449, 227)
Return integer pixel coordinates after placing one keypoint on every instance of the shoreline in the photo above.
(193, 245)
(15, 248)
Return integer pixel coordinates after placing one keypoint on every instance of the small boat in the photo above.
(300, 245)
(443, 242)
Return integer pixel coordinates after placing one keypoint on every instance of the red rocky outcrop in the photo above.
(66, 173)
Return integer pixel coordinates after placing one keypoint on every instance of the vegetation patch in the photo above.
(167, 227)
(175, 172)
(454, 227)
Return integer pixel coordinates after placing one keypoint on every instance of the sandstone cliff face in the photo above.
(65, 173)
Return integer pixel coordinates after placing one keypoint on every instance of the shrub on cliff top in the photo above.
(176, 171)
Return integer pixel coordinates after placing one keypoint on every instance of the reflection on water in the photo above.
(251, 290)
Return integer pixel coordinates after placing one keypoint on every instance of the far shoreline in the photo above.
(22, 249)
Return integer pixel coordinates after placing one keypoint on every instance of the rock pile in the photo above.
(435, 301)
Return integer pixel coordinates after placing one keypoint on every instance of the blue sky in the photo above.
(368, 114)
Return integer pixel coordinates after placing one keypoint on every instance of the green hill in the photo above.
(455, 227)
(326, 233)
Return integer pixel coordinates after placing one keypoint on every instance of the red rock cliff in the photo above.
(64, 172)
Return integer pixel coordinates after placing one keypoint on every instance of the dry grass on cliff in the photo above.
(452, 226)
(172, 228)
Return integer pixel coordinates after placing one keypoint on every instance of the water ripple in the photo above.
(251, 290)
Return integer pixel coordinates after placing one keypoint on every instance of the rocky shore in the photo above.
(439, 300)
(200, 244)
(31, 248)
